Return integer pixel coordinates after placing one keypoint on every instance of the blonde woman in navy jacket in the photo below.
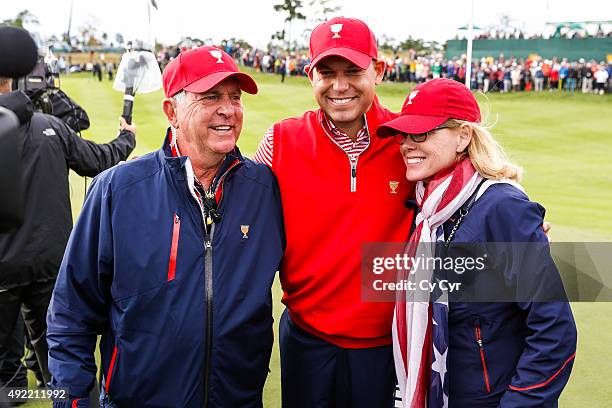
(512, 345)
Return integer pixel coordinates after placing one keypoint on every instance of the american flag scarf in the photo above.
(420, 323)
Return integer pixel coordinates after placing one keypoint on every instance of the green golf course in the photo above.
(563, 142)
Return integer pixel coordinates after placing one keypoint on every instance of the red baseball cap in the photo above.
(348, 38)
(200, 69)
(431, 104)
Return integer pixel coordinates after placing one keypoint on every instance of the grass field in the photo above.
(564, 143)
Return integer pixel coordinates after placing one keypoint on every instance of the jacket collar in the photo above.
(20, 104)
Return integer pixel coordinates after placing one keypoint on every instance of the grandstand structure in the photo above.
(562, 44)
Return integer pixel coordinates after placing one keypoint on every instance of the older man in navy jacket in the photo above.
(172, 260)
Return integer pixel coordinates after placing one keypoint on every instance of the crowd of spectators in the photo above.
(275, 62)
(98, 66)
(488, 74)
(269, 61)
(507, 75)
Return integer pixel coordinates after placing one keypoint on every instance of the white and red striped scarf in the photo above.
(442, 197)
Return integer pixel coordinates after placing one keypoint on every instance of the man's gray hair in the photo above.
(179, 97)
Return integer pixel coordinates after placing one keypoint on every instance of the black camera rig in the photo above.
(40, 83)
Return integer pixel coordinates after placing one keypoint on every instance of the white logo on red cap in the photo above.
(217, 54)
(411, 97)
(336, 28)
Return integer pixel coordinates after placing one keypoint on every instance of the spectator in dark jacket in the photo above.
(572, 77)
(586, 76)
(77, 119)
(31, 255)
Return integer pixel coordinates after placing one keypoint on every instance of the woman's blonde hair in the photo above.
(486, 154)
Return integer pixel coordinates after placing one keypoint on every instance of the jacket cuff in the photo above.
(72, 403)
(127, 133)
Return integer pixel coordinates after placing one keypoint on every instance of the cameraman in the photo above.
(31, 255)
(63, 107)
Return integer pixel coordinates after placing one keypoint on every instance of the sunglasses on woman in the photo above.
(400, 138)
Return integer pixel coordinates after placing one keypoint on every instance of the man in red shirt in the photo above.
(340, 187)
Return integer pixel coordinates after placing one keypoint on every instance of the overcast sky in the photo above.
(255, 20)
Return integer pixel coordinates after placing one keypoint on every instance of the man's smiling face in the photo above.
(344, 91)
(211, 121)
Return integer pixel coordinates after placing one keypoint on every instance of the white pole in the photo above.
(69, 23)
(149, 24)
(468, 62)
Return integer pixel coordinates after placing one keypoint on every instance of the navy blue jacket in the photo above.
(508, 354)
(185, 313)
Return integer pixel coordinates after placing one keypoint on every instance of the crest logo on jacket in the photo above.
(393, 186)
(217, 54)
(336, 28)
(49, 132)
(245, 230)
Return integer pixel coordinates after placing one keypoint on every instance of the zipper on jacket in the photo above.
(174, 248)
(352, 161)
(485, 372)
(209, 232)
(353, 175)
